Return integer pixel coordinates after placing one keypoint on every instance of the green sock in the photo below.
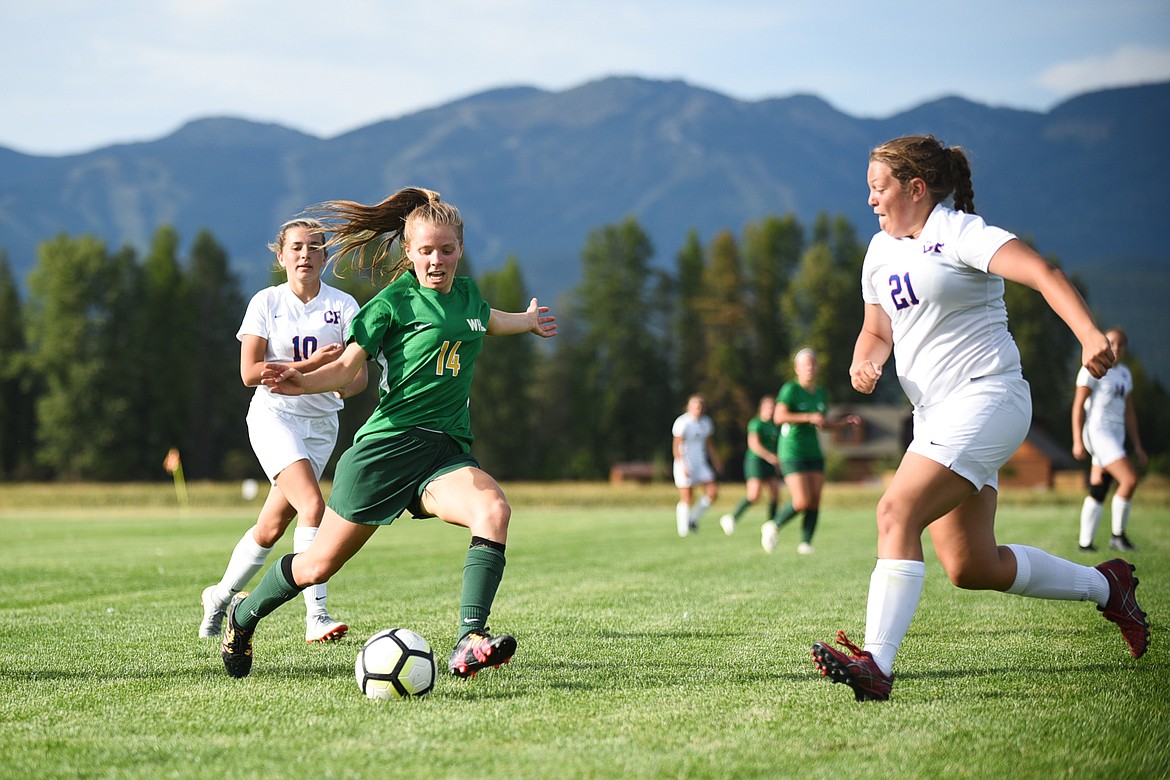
(809, 527)
(786, 514)
(275, 588)
(771, 509)
(482, 571)
(739, 510)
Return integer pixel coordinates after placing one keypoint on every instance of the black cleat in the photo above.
(236, 649)
(479, 649)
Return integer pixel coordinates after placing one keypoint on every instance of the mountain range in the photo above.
(535, 171)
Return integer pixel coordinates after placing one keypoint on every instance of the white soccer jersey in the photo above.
(294, 331)
(1105, 406)
(694, 434)
(948, 314)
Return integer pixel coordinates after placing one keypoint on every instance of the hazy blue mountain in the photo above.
(534, 172)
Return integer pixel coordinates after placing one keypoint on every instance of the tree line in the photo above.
(109, 359)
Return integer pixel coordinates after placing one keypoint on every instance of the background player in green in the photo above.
(760, 464)
(800, 412)
(425, 329)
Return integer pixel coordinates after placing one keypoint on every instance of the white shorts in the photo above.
(1105, 443)
(281, 439)
(701, 474)
(976, 429)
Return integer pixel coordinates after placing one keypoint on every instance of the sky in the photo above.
(76, 75)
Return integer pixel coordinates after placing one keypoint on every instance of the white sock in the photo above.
(1040, 575)
(314, 595)
(1120, 514)
(1090, 517)
(894, 589)
(700, 507)
(247, 559)
(682, 515)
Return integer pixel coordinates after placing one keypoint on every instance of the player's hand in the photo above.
(546, 324)
(1078, 450)
(864, 374)
(282, 379)
(1096, 354)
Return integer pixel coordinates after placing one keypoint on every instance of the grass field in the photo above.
(640, 655)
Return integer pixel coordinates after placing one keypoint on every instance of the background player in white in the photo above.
(302, 322)
(932, 283)
(695, 463)
(1102, 414)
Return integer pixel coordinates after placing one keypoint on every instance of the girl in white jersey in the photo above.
(1102, 415)
(695, 463)
(932, 283)
(303, 323)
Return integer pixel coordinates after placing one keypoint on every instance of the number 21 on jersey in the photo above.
(902, 292)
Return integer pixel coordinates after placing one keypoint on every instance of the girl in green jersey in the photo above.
(425, 330)
(800, 413)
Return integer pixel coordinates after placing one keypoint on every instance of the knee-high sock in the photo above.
(809, 525)
(1040, 575)
(1120, 518)
(314, 594)
(786, 514)
(247, 558)
(699, 508)
(739, 510)
(276, 587)
(1090, 517)
(483, 568)
(894, 590)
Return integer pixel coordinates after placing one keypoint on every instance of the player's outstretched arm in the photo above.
(536, 319)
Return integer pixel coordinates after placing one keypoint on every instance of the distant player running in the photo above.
(301, 323)
(1102, 415)
(761, 464)
(695, 464)
(802, 408)
(933, 288)
(425, 329)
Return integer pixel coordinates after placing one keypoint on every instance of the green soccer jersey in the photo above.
(798, 441)
(768, 434)
(426, 343)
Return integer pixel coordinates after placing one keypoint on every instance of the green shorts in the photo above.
(801, 465)
(379, 477)
(755, 467)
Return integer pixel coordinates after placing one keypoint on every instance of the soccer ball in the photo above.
(395, 664)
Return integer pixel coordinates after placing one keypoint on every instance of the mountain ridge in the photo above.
(534, 171)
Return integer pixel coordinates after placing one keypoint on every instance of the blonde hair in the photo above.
(365, 234)
(276, 246)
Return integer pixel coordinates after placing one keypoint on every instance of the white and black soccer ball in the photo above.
(395, 664)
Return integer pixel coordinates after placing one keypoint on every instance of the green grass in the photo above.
(641, 654)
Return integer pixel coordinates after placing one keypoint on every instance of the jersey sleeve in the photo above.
(256, 322)
(1085, 379)
(978, 242)
(369, 326)
(786, 395)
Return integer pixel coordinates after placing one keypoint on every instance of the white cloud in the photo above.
(1126, 66)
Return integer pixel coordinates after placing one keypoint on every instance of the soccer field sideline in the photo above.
(641, 654)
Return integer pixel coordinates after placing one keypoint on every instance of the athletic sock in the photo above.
(699, 508)
(739, 510)
(1120, 518)
(276, 587)
(1090, 517)
(894, 590)
(247, 559)
(314, 595)
(682, 515)
(771, 509)
(483, 568)
(809, 525)
(1041, 575)
(786, 514)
